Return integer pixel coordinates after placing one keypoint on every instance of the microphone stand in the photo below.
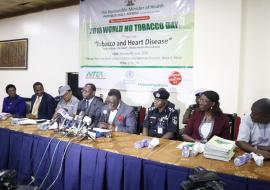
(90, 128)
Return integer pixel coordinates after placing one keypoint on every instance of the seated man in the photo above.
(90, 105)
(42, 104)
(116, 115)
(67, 101)
(254, 132)
(161, 120)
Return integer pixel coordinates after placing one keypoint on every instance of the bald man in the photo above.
(254, 132)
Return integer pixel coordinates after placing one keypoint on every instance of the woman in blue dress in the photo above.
(13, 103)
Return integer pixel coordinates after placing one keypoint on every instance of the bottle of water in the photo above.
(185, 151)
(141, 144)
(241, 160)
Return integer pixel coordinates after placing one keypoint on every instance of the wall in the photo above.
(52, 49)
(231, 52)
(255, 54)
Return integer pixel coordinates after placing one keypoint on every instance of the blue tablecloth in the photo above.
(88, 168)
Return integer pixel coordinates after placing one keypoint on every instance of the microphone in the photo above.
(80, 119)
(87, 121)
(61, 113)
(106, 116)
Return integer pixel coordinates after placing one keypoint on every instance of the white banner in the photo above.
(137, 44)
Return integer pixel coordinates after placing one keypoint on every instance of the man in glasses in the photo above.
(90, 105)
(67, 101)
(116, 115)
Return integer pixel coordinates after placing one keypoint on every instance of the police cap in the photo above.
(162, 93)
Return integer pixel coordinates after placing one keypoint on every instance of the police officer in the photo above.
(162, 120)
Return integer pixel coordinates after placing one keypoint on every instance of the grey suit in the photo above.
(93, 111)
(125, 119)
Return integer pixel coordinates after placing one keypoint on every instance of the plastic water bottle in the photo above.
(185, 151)
(241, 160)
(141, 144)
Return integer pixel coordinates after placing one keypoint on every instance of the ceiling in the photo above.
(10, 8)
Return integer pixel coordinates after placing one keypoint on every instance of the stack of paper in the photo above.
(4, 115)
(219, 149)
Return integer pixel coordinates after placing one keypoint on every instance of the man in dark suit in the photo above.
(42, 103)
(90, 105)
(117, 115)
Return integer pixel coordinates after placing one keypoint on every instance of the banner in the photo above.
(139, 45)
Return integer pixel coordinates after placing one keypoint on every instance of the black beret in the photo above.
(161, 94)
(211, 95)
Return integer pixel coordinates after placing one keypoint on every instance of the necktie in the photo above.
(87, 104)
(36, 106)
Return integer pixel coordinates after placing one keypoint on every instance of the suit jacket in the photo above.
(46, 108)
(93, 111)
(125, 118)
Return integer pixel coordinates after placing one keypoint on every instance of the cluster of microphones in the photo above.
(80, 124)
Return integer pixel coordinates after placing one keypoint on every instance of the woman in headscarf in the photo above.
(208, 121)
(14, 104)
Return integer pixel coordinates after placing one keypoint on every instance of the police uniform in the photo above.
(159, 123)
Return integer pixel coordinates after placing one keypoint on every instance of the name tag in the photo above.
(160, 130)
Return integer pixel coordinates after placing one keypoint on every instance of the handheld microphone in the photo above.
(80, 119)
(61, 113)
(106, 116)
(87, 120)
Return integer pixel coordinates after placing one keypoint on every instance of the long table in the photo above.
(111, 163)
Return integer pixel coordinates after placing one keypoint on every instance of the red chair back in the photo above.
(236, 127)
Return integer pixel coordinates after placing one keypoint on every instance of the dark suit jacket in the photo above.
(47, 106)
(92, 111)
(125, 118)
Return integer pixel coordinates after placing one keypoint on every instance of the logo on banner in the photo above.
(95, 75)
(130, 2)
(175, 78)
(130, 74)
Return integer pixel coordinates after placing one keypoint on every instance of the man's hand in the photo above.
(31, 116)
(103, 125)
(264, 153)
(112, 127)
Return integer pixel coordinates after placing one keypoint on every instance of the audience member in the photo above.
(116, 115)
(254, 132)
(42, 103)
(13, 103)
(208, 121)
(162, 119)
(90, 105)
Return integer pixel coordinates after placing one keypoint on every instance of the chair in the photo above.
(28, 104)
(236, 127)
(140, 114)
(233, 125)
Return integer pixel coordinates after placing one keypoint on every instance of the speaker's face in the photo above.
(112, 102)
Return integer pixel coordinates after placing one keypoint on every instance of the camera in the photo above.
(201, 179)
(6, 177)
(6, 181)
